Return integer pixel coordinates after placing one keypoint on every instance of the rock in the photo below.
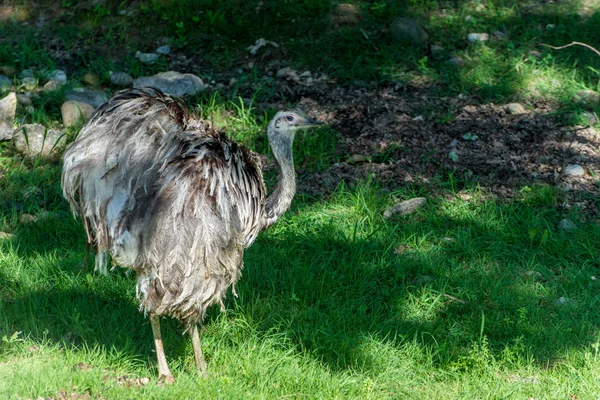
(437, 50)
(535, 54)
(515, 108)
(29, 109)
(172, 82)
(480, 8)
(406, 207)
(587, 97)
(345, 14)
(358, 158)
(50, 86)
(147, 58)
(477, 37)
(407, 30)
(565, 302)
(35, 140)
(500, 35)
(163, 50)
(121, 79)
(8, 107)
(6, 235)
(260, 43)
(91, 79)
(29, 83)
(5, 84)
(26, 218)
(73, 111)
(550, 26)
(456, 62)
(567, 225)
(7, 130)
(574, 170)
(93, 97)
(8, 70)
(59, 76)
(26, 73)
(283, 72)
(23, 99)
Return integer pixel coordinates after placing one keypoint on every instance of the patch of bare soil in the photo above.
(410, 136)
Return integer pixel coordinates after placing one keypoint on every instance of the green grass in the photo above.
(458, 300)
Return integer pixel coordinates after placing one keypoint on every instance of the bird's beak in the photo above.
(309, 123)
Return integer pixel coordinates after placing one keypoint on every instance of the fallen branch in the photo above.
(572, 44)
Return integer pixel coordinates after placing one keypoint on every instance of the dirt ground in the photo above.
(405, 136)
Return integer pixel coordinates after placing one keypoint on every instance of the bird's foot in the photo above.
(166, 379)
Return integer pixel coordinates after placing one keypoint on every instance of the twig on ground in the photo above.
(572, 44)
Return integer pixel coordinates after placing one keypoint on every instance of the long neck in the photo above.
(280, 200)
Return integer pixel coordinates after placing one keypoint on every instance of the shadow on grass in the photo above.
(332, 281)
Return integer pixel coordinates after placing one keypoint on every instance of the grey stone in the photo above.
(59, 76)
(172, 82)
(93, 97)
(6, 235)
(550, 26)
(565, 302)
(535, 54)
(587, 97)
(5, 84)
(8, 107)
(345, 14)
(73, 111)
(574, 170)
(283, 72)
(147, 58)
(407, 30)
(163, 50)
(406, 207)
(51, 86)
(477, 37)
(23, 99)
(7, 130)
(91, 79)
(121, 79)
(8, 70)
(27, 73)
(29, 83)
(500, 35)
(456, 62)
(515, 108)
(437, 50)
(566, 225)
(35, 140)
(26, 218)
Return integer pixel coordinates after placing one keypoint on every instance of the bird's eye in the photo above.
(289, 118)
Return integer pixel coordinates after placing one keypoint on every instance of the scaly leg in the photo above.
(164, 375)
(200, 363)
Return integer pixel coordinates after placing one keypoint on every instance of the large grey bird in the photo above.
(164, 194)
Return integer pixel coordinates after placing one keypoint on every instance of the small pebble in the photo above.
(456, 61)
(477, 37)
(515, 108)
(406, 207)
(574, 170)
(163, 50)
(358, 158)
(567, 225)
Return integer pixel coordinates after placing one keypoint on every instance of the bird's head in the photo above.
(286, 123)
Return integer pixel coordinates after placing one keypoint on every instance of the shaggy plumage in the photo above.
(163, 193)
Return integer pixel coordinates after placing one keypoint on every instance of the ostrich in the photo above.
(164, 194)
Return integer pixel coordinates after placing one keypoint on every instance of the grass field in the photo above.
(471, 297)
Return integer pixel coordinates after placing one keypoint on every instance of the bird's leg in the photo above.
(164, 374)
(200, 363)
